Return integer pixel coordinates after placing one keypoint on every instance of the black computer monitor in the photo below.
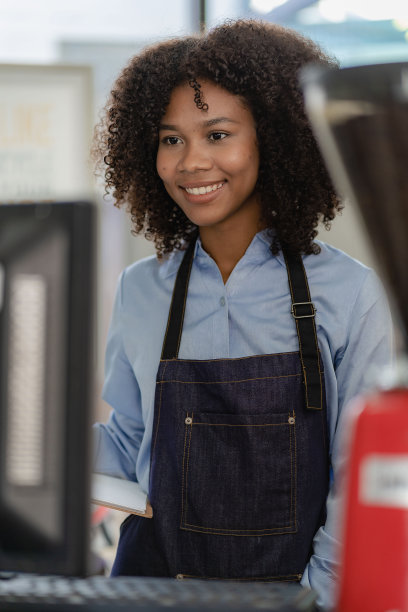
(46, 347)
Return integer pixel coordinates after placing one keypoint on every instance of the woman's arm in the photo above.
(117, 443)
(369, 348)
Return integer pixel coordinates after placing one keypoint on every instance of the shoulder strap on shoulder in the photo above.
(304, 312)
(175, 320)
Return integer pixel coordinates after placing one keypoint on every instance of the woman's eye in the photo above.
(171, 140)
(217, 135)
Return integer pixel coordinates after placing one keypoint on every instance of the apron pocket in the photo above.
(239, 474)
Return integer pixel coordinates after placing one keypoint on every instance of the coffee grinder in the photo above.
(360, 119)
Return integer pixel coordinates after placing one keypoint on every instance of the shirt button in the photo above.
(222, 301)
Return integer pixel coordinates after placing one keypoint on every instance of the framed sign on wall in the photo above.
(46, 121)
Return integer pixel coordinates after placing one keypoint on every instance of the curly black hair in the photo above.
(258, 61)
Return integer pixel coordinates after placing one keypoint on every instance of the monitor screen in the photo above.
(46, 374)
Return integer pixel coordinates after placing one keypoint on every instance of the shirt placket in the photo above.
(212, 282)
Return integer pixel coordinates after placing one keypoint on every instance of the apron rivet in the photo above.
(188, 421)
(291, 420)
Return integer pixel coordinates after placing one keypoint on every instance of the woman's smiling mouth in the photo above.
(196, 193)
(203, 189)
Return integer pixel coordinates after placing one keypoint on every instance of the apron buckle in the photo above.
(303, 309)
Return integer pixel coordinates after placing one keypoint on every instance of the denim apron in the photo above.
(239, 461)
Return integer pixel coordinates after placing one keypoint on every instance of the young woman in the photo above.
(232, 354)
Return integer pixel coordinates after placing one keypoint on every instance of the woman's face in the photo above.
(209, 160)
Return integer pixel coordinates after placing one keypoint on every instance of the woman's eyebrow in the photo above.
(218, 120)
(171, 127)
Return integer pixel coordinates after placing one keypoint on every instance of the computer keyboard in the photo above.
(33, 593)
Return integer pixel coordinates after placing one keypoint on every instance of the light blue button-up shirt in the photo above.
(249, 315)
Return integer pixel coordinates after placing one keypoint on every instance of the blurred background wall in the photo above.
(102, 36)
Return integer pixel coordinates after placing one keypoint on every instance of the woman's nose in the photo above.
(194, 157)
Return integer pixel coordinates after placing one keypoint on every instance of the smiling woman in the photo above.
(208, 163)
(232, 354)
(258, 64)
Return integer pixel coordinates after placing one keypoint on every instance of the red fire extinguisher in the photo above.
(374, 568)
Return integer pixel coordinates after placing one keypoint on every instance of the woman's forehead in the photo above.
(214, 101)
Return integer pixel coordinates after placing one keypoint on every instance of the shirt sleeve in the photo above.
(367, 351)
(117, 443)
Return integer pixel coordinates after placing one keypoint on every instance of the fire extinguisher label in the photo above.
(384, 480)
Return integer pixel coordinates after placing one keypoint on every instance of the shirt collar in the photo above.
(266, 236)
(257, 251)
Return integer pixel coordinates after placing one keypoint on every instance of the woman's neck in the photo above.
(227, 245)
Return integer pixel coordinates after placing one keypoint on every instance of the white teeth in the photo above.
(203, 190)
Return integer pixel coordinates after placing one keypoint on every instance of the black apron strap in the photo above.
(174, 328)
(304, 312)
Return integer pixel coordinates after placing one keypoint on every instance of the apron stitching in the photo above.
(305, 378)
(299, 337)
(168, 321)
(243, 424)
(158, 415)
(245, 532)
(182, 477)
(315, 334)
(224, 382)
(294, 436)
(271, 356)
(184, 307)
(324, 431)
(291, 473)
(241, 532)
(284, 578)
(188, 462)
(298, 334)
